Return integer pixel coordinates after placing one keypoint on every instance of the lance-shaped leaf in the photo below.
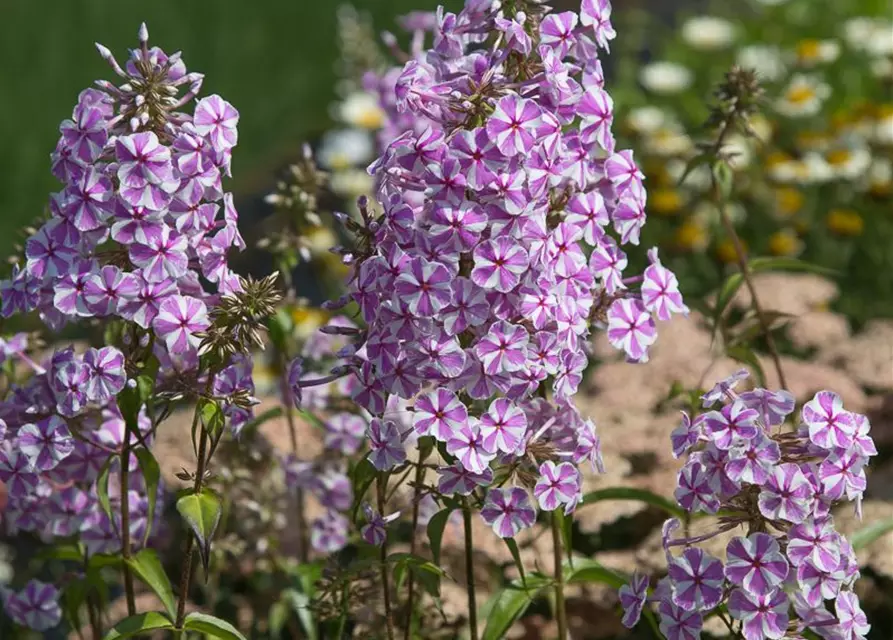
(148, 567)
(509, 604)
(629, 493)
(201, 511)
(151, 474)
(138, 624)
(212, 626)
(436, 525)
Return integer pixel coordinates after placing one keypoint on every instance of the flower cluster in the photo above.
(142, 223)
(137, 238)
(743, 465)
(505, 207)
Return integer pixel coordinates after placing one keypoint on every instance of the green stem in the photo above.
(381, 487)
(560, 609)
(186, 576)
(469, 572)
(125, 521)
(413, 544)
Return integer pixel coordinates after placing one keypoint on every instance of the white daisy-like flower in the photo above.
(740, 151)
(804, 96)
(665, 78)
(812, 168)
(869, 34)
(880, 175)
(670, 139)
(882, 68)
(883, 127)
(344, 148)
(351, 183)
(698, 179)
(646, 120)
(809, 53)
(848, 162)
(361, 109)
(765, 59)
(708, 33)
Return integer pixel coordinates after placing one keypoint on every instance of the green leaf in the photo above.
(142, 623)
(508, 604)
(151, 474)
(566, 526)
(436, 525)
(299, 603)
(589, 571)
(212, 418)
(722, 174)
(516, 556)
(212, 626)
(131, 399)
(743, 353)
(280, 328)
(148, 567)
(629, 493)
(102, 488)
(201, 511)
(866, 535)
(363, 476)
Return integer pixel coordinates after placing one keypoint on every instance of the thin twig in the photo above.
(381, 488)
(413, 544)
(186, 576)
(469, 572)
(741, 255)
(558, 556)
(125, 521)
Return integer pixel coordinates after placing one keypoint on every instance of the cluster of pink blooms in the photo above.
(140, 233)
(505, 207)
(745, 465)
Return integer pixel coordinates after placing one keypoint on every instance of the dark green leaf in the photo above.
(263, 418)
(102, 488)
(629, 493)
(363, 476)
(516, 556)
(142, 623)
(147, 567)
(151, 474)
(722, 174)
(201, 511)
(509, 604)
(212, 626)
(591, 571)
(299, 603)
(865, 536)
(436, 525)
(566, 526)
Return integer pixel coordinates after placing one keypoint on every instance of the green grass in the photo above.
(273, 60)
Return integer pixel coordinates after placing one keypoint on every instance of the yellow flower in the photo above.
(725, 250)
(785, 243)
(665, 202)
(845, 222)
(811, 52)
(307, 320)
(691, 236)
(788, 201)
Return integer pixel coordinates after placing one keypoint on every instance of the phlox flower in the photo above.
(439, 413)
(456, 479)
(508, 511)
(557, 484)
(375, 530)
(46, 443)
(178, 321)
(763, 616)
(632, 598)
(787, 494)
(35, 607)
(503, 427)
(697, 580)
(467, 444)
(386, 449)
(756, 564)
